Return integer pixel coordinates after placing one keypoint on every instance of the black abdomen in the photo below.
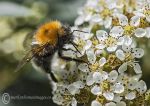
(43, 59)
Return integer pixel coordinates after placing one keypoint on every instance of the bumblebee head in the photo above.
(65, 34)
(51, 31)
(64, 31)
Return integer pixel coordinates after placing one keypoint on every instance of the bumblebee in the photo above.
(49, 38)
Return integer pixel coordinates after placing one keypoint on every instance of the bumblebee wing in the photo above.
(29, 56)
(28, 40)
(25, 60)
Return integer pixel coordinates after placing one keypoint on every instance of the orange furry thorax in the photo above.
(48, 33)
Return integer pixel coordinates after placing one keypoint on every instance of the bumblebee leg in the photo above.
(64, 49)
(69, 58)
(75, 46)
(53, 77)
(47, 68)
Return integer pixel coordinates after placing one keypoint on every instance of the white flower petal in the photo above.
(148, 18)
(121, 79)
(135, 21)
(79, 84)
(112, 48)
(104, 75)
(79, 20)
(83, 76)
(137, 68)
(120, 41)
(88, 44)
(113, 76)
(123, 20)
(89, 80)
(91, 56)
(116, 31)
(96, 90)
(118, 88)
(83, 67)
(102, 61)
(111, 5)
(69, 53)
(110, 104)
(122, 68)
(100, 46)
(72, 89)
(136, 77)
(148, 32)
(98, 52)
(96, 103)
(101, 35)
(120, 54)
(127, 41)
(126, 48)
(121, 103)
(141, 87)
(138, 13)
(132, 84)
(130, 96)
(64, 74)
(108, 95)
(85, 36)
(140, 32)
(57, 98)
(117, 98)
(96, 18)
(61, 89)
(108, 22)
(97, 76)
(74, 102)
(137, 52)
(88, 17)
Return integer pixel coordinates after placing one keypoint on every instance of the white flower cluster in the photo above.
(111, 74)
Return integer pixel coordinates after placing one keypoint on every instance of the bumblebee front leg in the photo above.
(64, 49)
(60, 53)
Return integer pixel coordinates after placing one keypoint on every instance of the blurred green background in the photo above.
(17, 19)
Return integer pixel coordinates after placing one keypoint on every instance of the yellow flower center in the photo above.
(106, 12)
(105, 86)
(83, 96)
(66, 98)
(144, 23)
(147, 10)
(115, 22)
(81, 44)
(147, 95)
(110, 41)
(95, 41)
(128, 30)
(101, 99)
(113, 61)
(128, 57)
(94, 66)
